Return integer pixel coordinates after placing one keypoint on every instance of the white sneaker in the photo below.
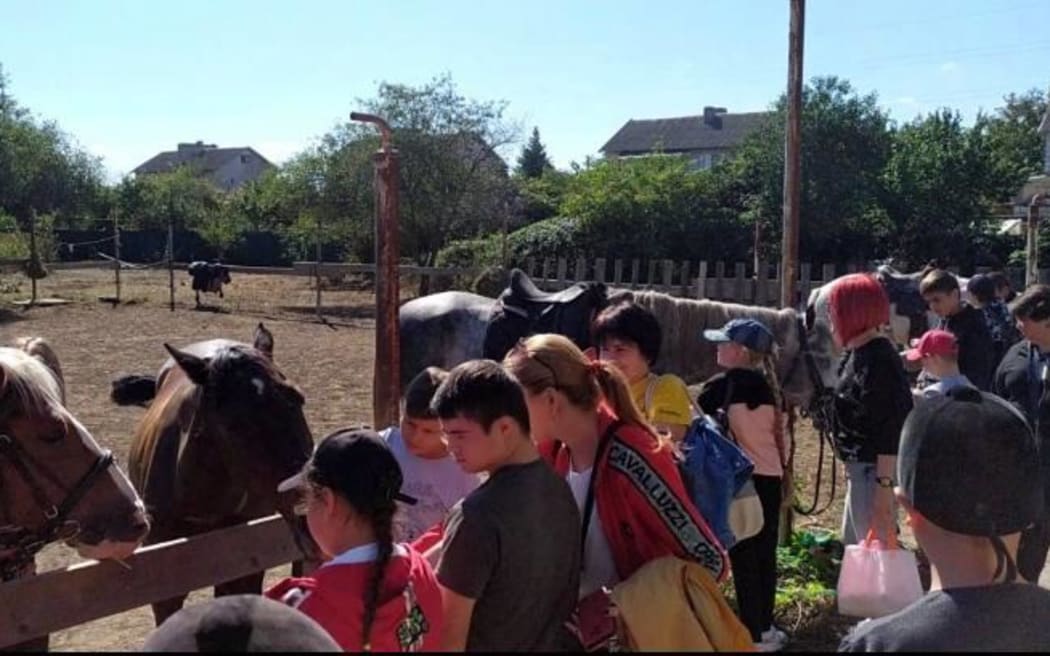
(773, 634)
(768, 645)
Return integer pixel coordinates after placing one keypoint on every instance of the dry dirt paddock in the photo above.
(97, 342)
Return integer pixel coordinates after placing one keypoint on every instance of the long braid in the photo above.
(383, 528)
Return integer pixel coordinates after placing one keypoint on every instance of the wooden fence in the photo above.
(721, 281)
(92, 590)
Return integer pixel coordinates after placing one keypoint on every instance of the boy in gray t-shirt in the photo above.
(510, 563)
(430, 472)
(938, 350)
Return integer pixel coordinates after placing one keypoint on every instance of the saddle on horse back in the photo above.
(523, 310)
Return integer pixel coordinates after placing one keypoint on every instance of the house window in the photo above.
(702, 161)
(244, 159)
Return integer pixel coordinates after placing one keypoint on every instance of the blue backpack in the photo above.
(713, 469)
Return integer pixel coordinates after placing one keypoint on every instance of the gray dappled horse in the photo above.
(448, 328)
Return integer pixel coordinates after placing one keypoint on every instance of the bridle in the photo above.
(23, 543)
(821, 411)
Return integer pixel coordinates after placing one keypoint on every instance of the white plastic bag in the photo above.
(875, 581)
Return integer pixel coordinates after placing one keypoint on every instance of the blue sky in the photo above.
(131, 78)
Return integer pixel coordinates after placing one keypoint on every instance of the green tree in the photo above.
(651, 207)
(540, 198)
(42, 170)
(533, 161)
(846, 142)
(1015, 149)
(454, 183)
(940, 183)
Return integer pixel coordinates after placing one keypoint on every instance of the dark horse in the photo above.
(57, 483)
(208, 277)
(224, 428)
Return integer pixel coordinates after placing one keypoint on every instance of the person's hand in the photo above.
(882, 519)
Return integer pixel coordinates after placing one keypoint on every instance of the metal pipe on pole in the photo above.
(792, 198)
(386, 381)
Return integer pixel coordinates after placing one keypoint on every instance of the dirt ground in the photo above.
(98, 342)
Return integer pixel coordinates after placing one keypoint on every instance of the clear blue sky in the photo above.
(131, 78)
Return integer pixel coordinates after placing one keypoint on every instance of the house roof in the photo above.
(683, 133)
(203, 159)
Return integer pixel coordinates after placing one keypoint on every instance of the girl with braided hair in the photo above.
(372, 594)
(749, 394)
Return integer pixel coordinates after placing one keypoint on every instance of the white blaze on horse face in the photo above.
(260, 386)
(900, 326)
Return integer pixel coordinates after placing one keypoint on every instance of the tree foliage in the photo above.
(42, 169)
(533, 161)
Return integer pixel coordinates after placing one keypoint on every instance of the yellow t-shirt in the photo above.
(668, 401)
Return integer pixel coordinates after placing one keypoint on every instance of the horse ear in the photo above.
(194, 367)
(264, 340)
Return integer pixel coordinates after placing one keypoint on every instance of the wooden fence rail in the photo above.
(721, 281)
(91, 590)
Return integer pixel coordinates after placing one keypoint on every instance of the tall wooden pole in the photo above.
(792, 156)
(792, 187)
(34, 256)
(116, 257)
(386, 382)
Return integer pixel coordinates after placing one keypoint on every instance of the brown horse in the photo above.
(224, 428)
(56, 483)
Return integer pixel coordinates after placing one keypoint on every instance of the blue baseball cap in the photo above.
(746, 332)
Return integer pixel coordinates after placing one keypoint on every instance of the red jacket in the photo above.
(642, 502)
(408, 615)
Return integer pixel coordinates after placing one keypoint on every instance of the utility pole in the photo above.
(792, 198)
(792, 156)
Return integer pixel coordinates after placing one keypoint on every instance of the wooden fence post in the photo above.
(636, 269)
(827, 274)
(530, 267)
(804, 280)
(720, 287)
(684, 277)
(581, 269)
(562, 267)
(668, 274)
(599, 269)
(761, 275)
(617, 272)
(651, 280)
(740, 280)
(116, 257)
(701, 280)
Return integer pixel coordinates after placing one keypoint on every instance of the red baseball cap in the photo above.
(933, 342)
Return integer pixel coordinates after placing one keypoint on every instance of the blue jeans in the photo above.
(860, 501)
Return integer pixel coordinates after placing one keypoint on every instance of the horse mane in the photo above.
(35, 384)
(176, 396)
(682, 320)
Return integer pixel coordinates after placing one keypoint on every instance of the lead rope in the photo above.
(822, 415)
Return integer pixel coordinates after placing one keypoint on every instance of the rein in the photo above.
(821, 412)
(26, 543)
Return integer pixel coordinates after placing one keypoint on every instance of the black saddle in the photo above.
(522, 291)
(523, 310)
(903, 291)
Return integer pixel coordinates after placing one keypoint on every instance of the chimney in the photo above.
(198, 146)
(712, 117)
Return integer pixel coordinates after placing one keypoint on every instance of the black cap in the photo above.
(358, 464)
(240, 623)
(968, 462)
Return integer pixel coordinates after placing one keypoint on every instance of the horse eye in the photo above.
(53, 436)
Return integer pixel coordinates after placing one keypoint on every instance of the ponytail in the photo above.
(614, 388)
(383, 528)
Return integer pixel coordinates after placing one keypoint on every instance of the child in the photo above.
(372, 592)
(997, 317)
(938, 351)
(940, 290)
(872, 399)
(509, 568)
(629, 337)
(430, 472)
(750, 393)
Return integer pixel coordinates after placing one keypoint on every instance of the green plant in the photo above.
(808, 567)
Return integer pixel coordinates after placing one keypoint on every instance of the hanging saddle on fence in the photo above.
(523, 310)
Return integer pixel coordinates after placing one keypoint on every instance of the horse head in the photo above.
(58, 484)
(247, 433)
